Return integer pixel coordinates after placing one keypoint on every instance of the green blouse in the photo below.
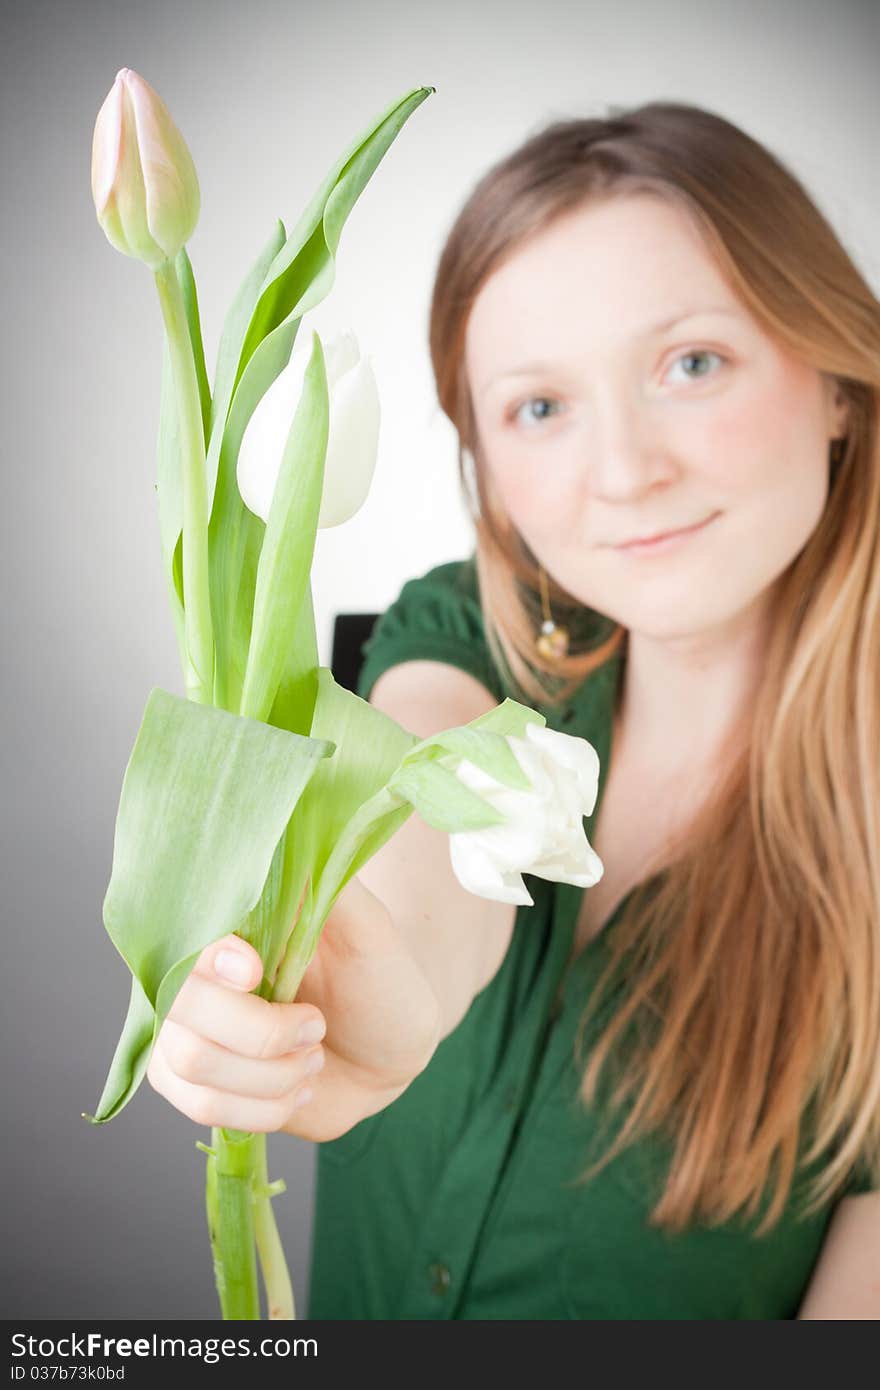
(459, 1200)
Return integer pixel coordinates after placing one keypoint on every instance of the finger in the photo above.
(245, 1023)
(206, 1106)
(231, 960)
(203, 1063)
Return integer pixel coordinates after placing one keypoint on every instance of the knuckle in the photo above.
(182, 1001)
(187, 1054)
(293, 1077)
(200, 1108)
(277, 1113)
(273, 1032)
(282, 1084)
(303, 1071)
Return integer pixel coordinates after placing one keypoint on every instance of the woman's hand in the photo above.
(226, 1057)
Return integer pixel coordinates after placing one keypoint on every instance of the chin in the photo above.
(672, 624)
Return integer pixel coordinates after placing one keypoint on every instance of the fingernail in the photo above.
(302, 1096)
(232, 966)
(311, 1032)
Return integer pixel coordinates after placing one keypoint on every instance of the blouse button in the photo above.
(440, 1278)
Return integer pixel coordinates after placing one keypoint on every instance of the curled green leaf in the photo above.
(206, 797)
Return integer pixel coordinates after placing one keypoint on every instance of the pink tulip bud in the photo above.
(143, 178)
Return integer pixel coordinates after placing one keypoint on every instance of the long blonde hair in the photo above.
(753, 958)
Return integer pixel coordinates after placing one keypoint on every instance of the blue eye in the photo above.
(517, 415)
(697, 354)
(532, 400)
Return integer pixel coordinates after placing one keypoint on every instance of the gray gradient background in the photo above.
(108, 1222)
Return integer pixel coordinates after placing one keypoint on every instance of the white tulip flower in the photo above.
(543, 833)
(352, 442)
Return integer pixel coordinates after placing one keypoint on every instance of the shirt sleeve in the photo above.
(436, 617)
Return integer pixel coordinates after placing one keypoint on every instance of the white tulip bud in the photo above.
(352, 443)
(144, 181)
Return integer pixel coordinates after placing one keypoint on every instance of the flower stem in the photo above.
(241, 1223)
(199, 672)
(273, 1266)
(229, 1192)
(300, 949)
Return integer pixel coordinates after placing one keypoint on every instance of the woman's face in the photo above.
(621, 390)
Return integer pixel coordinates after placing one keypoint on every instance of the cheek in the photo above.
(771, 471)
(522, 499)
(537, 502)
(779, 427)
(746, 432)
(771, 449)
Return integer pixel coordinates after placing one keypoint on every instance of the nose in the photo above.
(626, 451)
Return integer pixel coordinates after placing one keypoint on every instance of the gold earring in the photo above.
(552, 641)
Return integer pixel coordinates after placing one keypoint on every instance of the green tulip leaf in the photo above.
(169, 487)
(235, 534)
(235, 327)
(487, 751)
(294, 704)
(187, 282)
(304, 269)
(510, 717)
(355, 802)
(362, 800)
(300, 275)
(169, 484)
(206, 798)
(374, 748)
(484, 742)
(285, 561)
(442, 800)
(345, 814)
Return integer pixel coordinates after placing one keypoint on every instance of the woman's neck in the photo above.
(680, 697)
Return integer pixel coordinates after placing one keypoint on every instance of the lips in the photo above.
(663, 535)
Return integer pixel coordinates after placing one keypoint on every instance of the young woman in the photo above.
(658, 1097)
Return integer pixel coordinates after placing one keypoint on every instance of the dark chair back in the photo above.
(350, 632)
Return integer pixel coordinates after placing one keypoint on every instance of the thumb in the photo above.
(231, 960)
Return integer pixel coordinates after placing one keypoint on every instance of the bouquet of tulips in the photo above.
(249, 804)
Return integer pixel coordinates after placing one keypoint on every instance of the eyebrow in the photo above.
(652, 330)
